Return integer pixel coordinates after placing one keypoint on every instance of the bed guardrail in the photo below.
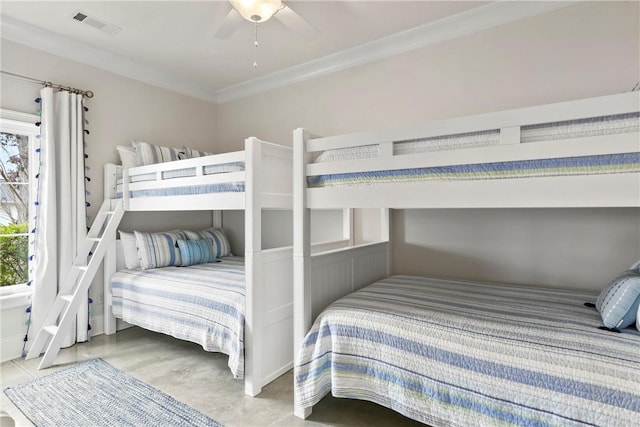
(386, 176)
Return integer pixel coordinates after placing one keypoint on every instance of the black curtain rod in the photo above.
(86, 93)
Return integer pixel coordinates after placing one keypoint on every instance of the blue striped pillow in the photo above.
(221, 246)
(158, 249)
(149, 154)
(619, 302)
(196, 251)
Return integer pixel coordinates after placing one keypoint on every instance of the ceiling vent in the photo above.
(96, 23)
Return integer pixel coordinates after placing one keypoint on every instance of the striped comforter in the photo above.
(457, 353)
(202, 303)
(234, 187)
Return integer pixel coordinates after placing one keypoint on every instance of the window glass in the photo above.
(16, 143)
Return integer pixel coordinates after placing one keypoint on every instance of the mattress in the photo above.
(201, 303)
(458, 353)
(579, 165)
(185, 190)
(567, 166)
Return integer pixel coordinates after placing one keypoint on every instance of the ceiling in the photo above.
(172, 43)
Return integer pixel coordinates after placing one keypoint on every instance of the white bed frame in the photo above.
(320, 279)
(269, 288)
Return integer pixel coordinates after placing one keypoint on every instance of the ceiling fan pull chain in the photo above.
(255, 43)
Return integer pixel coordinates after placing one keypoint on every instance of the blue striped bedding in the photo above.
(458, 353)
(201, 303)
(237, 187)
(582, 165)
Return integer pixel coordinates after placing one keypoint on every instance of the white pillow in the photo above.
(130, 250)
(127, 156)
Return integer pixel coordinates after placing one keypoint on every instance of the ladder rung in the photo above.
(51, 329)
(81, 267)
(94, 239)
(67, 298)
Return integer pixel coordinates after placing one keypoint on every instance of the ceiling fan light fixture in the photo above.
(256, 10)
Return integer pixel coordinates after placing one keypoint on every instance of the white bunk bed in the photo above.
(263, 183)
(597, 168)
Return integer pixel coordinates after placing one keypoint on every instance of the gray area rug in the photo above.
(94, 393)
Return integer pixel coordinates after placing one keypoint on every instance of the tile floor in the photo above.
(201, 380)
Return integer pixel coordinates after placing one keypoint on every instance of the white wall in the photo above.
(122, 110)
(277, 228)
(585, 50)
(576, 248)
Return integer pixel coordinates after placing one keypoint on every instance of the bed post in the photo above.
(385, 234)
(107, 301)
(125, 188)
(254, 295)
(216, 219)
(347, 226)
(109, 263)
(301, 251)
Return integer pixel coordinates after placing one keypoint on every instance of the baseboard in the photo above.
(273, 375)
(97, 325)
(11, 347)
(121, 325)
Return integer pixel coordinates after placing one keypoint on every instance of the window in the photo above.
(17, 139)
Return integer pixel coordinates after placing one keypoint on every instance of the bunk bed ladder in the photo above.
(74, 287)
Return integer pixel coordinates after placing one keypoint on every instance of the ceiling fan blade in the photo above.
(230, 24)
(296, 23)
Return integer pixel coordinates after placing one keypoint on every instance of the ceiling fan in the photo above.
(259, 11)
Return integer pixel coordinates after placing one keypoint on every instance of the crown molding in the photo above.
(468, 22)
(56, 44)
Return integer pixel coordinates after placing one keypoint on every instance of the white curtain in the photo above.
(61, 211)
